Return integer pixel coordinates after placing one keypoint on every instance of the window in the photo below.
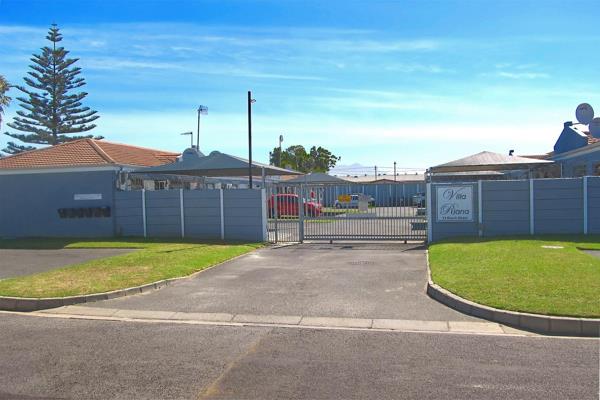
(160, 185)
(596, 170)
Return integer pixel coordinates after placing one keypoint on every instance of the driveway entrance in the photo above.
(355, 280)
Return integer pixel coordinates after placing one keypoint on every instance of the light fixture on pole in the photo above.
(191, 137)
(202, 110)
(280, 140)
(250, 101)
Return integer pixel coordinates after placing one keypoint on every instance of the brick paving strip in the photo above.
(468, 327)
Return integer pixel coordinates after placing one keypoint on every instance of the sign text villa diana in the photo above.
(455, 203)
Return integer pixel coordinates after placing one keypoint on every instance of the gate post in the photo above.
(301, 214)
(273, 195)
(429, 213)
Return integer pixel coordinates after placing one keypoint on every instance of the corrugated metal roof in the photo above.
(487, 160)
(400, 178)
(317, 177)
(216, 164)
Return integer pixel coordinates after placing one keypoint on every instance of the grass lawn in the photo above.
(519, 274)
(153, 260)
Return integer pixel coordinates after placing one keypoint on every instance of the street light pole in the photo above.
(280, 140)
(201, 110)
(250, 101)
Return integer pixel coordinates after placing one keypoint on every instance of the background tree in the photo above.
(4, 99)
(51, 110)
(317, 159)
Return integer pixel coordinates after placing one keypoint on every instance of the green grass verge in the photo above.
(153, 260)
(518, 274)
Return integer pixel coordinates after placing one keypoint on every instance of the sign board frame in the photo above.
(455, 203)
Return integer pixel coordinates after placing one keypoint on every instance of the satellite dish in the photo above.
(584, 113)
(595, 128)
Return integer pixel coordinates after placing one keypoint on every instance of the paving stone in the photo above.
(82, 310)
(268, 319)
(337, 322)
(410, 325)
(510, 330)
(210, 317)
(474, 327)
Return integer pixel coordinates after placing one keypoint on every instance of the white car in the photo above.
(353, 202)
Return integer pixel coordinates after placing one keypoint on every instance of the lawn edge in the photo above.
(539, 323)
(28, 304)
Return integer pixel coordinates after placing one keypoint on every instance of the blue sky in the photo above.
(417, 82)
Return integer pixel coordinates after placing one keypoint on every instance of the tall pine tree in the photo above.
(51, 110)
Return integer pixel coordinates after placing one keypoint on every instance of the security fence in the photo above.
(345, 212)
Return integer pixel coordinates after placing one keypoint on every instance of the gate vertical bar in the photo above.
(301, 215)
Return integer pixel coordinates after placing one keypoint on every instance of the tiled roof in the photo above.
(88, 152)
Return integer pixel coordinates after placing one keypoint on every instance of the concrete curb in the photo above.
(544, 324)
(28, 304)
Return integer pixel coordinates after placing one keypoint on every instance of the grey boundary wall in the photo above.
(545, 324)
(523, 207)
(215, 214)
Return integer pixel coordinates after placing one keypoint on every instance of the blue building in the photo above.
(577, 151)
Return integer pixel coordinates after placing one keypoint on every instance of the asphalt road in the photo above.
(27, 262)
(51, 358)
(356, 280)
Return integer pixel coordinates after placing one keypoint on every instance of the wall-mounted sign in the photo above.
(87, 196)
(455, 203)
(344, 198)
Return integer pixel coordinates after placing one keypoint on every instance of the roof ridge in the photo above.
(49, 146)
(137, 147)
(100, 152)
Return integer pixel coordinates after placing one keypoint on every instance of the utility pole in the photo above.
(376, 173)
(394, 171)
(250, 101)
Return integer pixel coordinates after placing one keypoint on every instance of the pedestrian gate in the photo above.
(346, 212)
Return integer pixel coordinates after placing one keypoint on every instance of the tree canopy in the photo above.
(51, 109)
(317, 159)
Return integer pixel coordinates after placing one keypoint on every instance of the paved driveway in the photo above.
(362, 280)
(27, 262)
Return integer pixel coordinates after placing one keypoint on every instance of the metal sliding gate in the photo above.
(346, 212)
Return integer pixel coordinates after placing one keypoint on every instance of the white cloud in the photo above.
(522, 75)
